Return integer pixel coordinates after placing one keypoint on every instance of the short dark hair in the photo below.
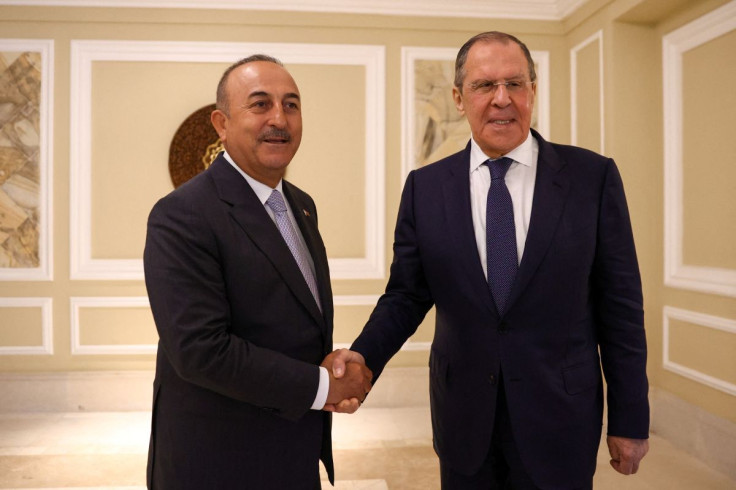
(222, 100)
(491, 36)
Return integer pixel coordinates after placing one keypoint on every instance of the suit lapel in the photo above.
(459, 221)
(248, 211)
(550, 193)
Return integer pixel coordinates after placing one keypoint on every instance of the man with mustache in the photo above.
(239, 286)
(525, 249)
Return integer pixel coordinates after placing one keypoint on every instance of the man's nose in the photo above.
(501, 96)
(278, 117)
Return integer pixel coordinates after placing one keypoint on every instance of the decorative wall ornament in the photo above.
(194, 147)
(24, 168)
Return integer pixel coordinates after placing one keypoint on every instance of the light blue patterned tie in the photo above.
(501, 252)
(276, 202)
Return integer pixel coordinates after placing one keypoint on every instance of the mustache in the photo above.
(275, 133)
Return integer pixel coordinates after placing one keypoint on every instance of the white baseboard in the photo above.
(709, 438)
(705, 436)
(76, 391)
(103, 391)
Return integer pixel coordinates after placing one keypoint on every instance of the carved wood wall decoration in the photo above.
(194, 146)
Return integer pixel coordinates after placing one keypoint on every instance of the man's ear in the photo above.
(219, 122)
(458, 98)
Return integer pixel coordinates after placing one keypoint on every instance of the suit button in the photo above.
(492, 379)
(503, 328)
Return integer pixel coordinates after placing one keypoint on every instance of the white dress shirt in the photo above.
(264, 192)
(519, 180)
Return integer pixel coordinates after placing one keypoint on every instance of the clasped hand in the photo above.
(350, 380)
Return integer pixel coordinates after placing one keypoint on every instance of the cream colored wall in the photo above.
(709, 174)
(135, 106)
(138, 105)
(21, 327)
(701, 324)
(633, 33)
(331, 161)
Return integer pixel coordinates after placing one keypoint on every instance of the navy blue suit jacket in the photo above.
(241, 339)
(577, 293)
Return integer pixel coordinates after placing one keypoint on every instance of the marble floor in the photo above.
(375, 449)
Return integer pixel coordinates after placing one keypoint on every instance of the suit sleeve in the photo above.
(407, 298)
(188, 297)
(617, 293)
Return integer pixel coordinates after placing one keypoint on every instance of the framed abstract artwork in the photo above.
(25, 159)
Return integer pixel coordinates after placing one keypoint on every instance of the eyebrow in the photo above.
(262, 93)
(507, 79)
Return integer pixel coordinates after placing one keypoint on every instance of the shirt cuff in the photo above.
(324, 388)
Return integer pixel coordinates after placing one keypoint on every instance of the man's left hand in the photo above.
(626, 454)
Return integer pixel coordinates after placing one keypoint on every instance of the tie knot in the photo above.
(499, 167)
(276, 202)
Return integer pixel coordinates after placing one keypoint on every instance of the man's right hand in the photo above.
(350, 380)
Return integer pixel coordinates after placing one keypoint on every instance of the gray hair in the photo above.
(491, 36)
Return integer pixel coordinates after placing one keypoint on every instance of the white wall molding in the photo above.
(541, 58)
(44, 272)
(410, 54)
(490, 9)
(702, 320)
(597, 36)
(77, 303)
(371, 300)
(85, 53)
(47, 331)
(677, 274)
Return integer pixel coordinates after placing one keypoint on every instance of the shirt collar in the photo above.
(262, 190)
(524, 153)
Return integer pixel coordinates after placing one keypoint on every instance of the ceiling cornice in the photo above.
(553, 10)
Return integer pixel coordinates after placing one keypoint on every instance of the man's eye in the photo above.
(482, 86)
(514, 84)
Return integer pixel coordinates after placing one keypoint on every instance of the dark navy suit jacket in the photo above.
(241, 338)
(577, 293)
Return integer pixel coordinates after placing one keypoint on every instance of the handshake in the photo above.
(350, 380)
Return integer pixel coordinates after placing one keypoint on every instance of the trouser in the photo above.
(502, 468)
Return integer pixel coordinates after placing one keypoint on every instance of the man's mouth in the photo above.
(276, 136)
(501, 121)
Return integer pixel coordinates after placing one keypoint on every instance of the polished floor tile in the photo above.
(375, 449)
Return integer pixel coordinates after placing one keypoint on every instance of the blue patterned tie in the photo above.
(500, 235)
(276, 202)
